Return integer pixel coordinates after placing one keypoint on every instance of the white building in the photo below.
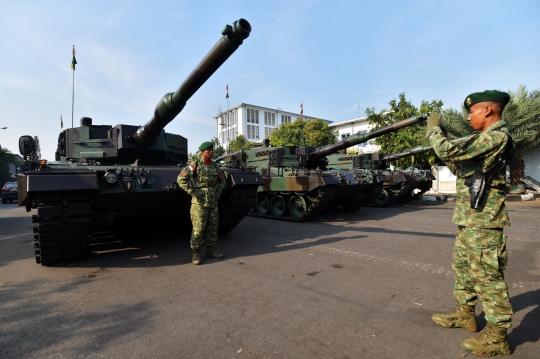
(254, 122)
(351, 127)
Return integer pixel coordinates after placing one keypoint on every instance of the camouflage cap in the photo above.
(206, 145)
(488, 95)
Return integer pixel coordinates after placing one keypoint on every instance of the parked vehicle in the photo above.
(9, 192)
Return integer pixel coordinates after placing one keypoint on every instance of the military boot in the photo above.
(463, 317)
(196, 257)
(490, 341)
(212, 253)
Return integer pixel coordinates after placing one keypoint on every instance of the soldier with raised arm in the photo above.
(480, 255)
(204, 181)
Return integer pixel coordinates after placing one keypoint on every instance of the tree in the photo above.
(5, 158)
(405, 138)
(37, 152)
(522, 117)
(218, 151)
(240, 143)
(310, 133)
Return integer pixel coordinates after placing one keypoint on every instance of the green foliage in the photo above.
(405, 138)
(522, 117)
(5, 158)
(310, 133)
(240, 143)
(37, 152)
(218, 151)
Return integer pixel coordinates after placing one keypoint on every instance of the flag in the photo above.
(227, 88)
(302, 108)
(74, 61)
(61, 123)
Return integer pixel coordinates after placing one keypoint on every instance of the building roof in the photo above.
(271, 109)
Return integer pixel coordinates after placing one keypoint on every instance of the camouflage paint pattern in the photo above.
(480, 254)
(460, 156)
(479, 259)
(205, 184)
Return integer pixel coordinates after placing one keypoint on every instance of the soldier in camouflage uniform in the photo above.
(204, 181)
(480, 253)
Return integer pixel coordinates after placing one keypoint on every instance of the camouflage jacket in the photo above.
(203, 182)
(461, 156)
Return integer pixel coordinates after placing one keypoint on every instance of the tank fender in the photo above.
(61, 182)
(244, 179)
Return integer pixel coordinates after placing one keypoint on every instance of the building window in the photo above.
(269, 118)
(252, 115)
(285, 118)
(253, 132)
(268, 132)
(235, 117)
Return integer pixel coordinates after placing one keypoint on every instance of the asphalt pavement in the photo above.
(346, 285)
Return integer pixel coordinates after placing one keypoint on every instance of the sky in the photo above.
(337, 57)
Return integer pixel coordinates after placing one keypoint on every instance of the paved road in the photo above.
(355, 285)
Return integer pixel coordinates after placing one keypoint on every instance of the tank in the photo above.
(124, 176)
(400, 185)
(299, 182)
(404, 185)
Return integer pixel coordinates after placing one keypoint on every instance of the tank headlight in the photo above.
(111, 177)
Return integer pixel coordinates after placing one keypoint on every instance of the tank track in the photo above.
(367, 198)
(354, 203)
(238, 205)
(62, 227)
(324, 196)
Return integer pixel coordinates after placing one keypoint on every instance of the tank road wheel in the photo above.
(381, 199)
(278, 206)
(297, 206)
(262, 204)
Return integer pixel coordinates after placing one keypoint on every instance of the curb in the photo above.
(430, 198)
(520, 197)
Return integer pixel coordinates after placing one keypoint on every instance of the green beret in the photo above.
(488, 95)
(206, 145)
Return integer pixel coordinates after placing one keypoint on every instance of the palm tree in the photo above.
(522, 117)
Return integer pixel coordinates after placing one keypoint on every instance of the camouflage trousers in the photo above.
(478, 262)
(205, 225)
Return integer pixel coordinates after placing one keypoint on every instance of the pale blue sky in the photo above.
(337, 57)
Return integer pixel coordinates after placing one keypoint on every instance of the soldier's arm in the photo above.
(220, 182)
(185, 177)
(476, 146)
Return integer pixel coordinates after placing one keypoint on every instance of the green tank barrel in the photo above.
(364, 137)
(172, 103)
(411, 152)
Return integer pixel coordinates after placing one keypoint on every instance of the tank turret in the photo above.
(149, 143)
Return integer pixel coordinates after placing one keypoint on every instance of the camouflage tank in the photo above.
(299, 183)
(400, 185)
(125, 175)
(405, 185)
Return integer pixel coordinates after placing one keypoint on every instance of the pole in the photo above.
(72, 98)
(73, 85)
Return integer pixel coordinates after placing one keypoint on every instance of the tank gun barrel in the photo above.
(411, 152)
(364, 137)
(172, 103)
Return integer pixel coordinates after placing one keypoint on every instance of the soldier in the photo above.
(480, 254)
(204, 181)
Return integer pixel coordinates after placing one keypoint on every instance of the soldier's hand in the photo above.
(434, 120)
(217, 196)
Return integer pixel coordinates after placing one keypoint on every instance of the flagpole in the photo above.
(73, 63)
(72, 98)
